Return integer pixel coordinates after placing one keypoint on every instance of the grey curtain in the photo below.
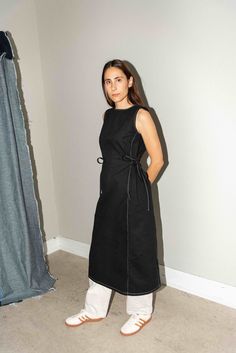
(23, 269)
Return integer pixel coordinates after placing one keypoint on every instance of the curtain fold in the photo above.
(23, 269)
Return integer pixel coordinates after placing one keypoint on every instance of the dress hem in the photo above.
(126, 293)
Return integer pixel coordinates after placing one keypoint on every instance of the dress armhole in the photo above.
(105, 114)
(135, 116)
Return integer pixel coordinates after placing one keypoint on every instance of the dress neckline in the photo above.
(125, 108)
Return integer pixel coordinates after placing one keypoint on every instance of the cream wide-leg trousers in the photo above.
(98, 297)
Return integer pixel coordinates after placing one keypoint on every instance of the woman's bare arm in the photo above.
(146, 127)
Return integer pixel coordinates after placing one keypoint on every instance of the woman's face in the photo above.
(116, 84)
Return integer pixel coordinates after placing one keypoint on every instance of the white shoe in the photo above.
(135, 323)
(80, 318)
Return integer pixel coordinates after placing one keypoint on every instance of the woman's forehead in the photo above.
(113, 72)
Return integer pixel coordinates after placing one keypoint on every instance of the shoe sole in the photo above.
(140, 328)
(90, 320)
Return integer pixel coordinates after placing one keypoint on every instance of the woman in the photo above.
(123, 252)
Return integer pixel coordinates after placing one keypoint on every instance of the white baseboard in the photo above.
(68, 245)
(202, 287)
(51, 245)
(214, 291)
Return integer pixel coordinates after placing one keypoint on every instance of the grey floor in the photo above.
(181, 322)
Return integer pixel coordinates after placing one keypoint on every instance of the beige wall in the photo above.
(18, 17)
(185, 54)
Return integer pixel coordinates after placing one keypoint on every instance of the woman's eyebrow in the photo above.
(114, 78)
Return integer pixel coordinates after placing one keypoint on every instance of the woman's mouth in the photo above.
(115, 94)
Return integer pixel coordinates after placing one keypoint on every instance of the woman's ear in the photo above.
(130, 81)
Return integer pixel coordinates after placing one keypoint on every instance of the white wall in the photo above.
(18, 18)
(185, 54)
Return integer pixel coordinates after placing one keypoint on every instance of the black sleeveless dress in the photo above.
(123, 251)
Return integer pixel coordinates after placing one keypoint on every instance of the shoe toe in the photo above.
(134, 324)
(73, 320)
(127, 329)
(80, 318)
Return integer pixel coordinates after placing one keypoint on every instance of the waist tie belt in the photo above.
(141, 173)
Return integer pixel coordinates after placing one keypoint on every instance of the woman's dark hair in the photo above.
(133, 93)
